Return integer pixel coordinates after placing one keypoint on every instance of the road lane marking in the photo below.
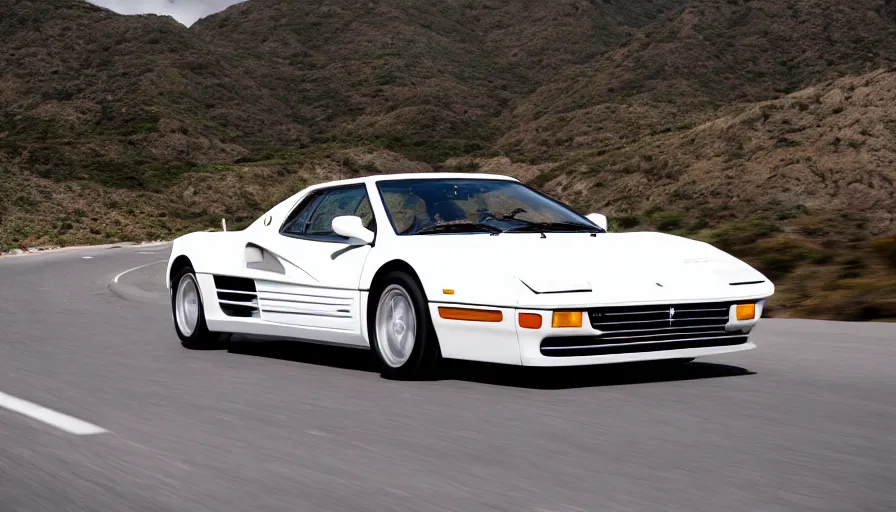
(136, 268)
(50, 417)
(86, 257)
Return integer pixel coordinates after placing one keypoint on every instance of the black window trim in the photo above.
(310, 198)
(336, 239)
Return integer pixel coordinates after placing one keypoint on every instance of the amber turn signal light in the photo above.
(745, 311)
(530, 320)
(567, 319)
(471, 315)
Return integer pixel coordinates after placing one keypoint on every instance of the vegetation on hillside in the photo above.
(765, 127)
(802, 187)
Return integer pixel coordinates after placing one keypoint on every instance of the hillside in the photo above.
(802, 187)
(765, 127)
(120, 101)
(429, 79)
(679, 70)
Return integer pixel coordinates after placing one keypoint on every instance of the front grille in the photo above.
(634, 320)
(633, 329)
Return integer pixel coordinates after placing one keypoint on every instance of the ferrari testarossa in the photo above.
(419, 267)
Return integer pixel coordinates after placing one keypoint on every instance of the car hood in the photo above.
(526, 270)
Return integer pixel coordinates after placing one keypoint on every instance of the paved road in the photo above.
(804, 423)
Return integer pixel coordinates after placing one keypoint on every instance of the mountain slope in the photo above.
(802, 187)
(757, 125)
(679, 70)
(88, 94)
(428, 78)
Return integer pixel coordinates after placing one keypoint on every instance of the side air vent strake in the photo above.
(237, 296)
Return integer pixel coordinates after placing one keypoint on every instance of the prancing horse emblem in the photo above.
(671, 314)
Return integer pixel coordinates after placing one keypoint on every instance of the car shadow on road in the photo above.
(305, 353)
(494, 374)
(589, 376)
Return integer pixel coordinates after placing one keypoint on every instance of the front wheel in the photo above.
(188, 313)
(401, 331)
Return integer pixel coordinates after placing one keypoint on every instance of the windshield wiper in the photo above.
(557, 227)
(459, 227)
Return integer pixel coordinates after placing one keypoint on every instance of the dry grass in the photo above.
(681, 69)
(756, 125)
(798, 186)
(42, 211)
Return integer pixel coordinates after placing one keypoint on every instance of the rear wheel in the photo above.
(401, 331)
(189, 314)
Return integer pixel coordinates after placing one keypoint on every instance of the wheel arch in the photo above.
(379, 277)
(378, 283)
(179, 263)
(430, 352)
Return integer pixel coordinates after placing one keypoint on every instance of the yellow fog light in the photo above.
(567, 319)
(745, 311)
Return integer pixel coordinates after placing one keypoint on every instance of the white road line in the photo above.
(136, 268)
(86, 257)
(50, 417)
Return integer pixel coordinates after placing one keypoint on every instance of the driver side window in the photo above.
(313, 218)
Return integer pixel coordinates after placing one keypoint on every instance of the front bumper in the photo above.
(506, 342)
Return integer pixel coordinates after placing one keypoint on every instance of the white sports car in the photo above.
(478, 267)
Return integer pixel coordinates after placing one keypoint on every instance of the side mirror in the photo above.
(600, 220)
(353, 228)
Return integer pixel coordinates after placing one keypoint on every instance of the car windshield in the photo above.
(433, 206)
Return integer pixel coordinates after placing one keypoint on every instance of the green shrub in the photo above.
(780, 258)
(822, 258)
(886, 247)
(627, 222)
(667, 221)
(464, 167)
(737, 234)
(792, 212)
(545, 177)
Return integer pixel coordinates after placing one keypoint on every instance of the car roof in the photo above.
(413, 176)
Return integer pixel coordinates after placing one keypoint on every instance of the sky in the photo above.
(184, 11)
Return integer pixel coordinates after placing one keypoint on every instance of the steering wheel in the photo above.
(485, 214)
(512, 215)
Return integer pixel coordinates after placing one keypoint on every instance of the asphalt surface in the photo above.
(804, 423)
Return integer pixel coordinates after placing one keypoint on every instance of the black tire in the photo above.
(200, 338)
(423, 362)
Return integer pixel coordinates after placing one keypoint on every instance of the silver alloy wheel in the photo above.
(186, 305)
(396, 326)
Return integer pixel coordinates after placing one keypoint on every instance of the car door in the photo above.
(305, 274)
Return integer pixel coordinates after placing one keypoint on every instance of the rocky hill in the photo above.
(801, 186)
(681, 69)
(429, 79)
(766, 127)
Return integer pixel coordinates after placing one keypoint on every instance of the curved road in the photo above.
(804, 423)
